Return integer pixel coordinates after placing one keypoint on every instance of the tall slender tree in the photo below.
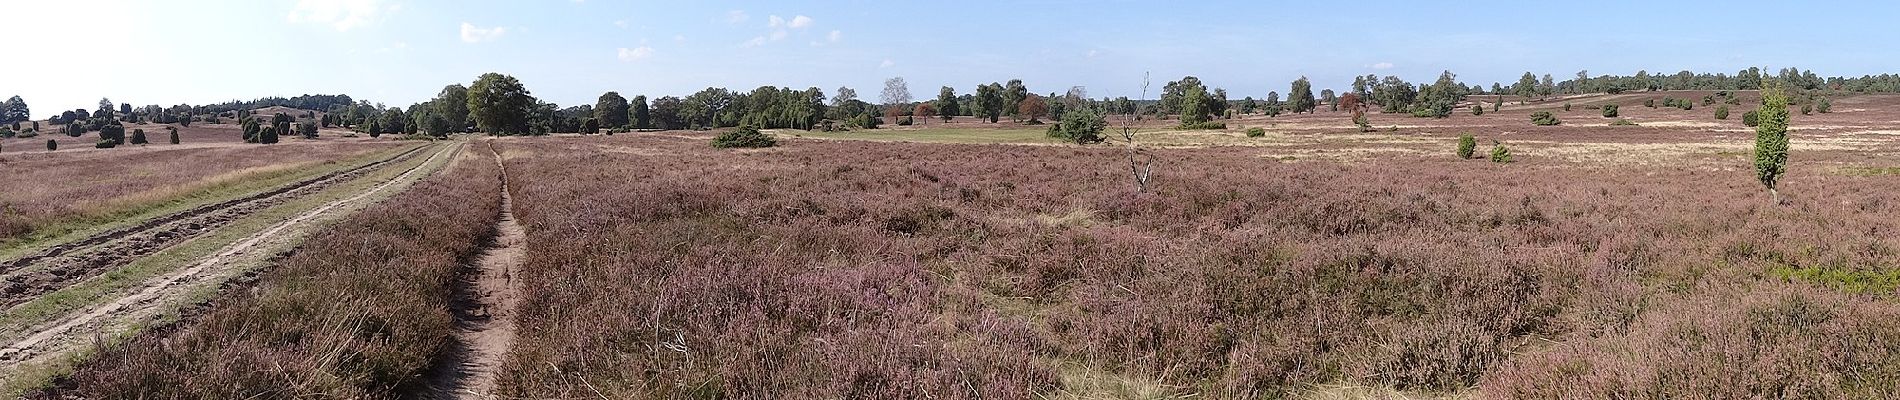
(642, 116)
(947, 103)
(1771, 139)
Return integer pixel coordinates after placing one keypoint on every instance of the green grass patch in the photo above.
(1871, 171)
(941, 135)
(80, 227)
(1847, 280)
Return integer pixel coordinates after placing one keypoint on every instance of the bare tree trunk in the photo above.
(1776, 195)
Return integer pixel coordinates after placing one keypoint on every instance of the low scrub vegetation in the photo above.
(870, 270)
(744, 137)
(359, 311)
(1543, 118)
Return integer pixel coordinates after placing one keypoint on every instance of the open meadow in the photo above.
(963, 260)
(1042, 200)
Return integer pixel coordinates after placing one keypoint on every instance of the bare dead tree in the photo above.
(1140, 162)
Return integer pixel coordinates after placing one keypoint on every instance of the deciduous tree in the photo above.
(1032, 108)
(611, 110)
(499, 104)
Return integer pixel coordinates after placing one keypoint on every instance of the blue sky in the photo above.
(567, 51)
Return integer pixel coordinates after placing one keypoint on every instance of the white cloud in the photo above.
(473, 34)
(621, 23)
(778, 35)
(340, 14)
(635, 54)
(776, 22)
(1383, 65)
(835, 36)
(679, 38)
(755, 42)
(737, 17)
(886, 64)
(1093, 53)
(800, 22)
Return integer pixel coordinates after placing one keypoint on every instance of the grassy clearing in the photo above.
(100, 289)
(107, 214)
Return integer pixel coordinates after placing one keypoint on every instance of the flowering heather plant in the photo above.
(855, 269)
(360, 310)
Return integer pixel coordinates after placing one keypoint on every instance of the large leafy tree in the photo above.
(1013, 94)
(452, 105)
(668, 113)
(499, 104)
(1300, 99)
(990, 101)
(611, 110)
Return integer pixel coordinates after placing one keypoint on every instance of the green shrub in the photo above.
(1256, 132)
(51, 145)
(1080, 127)
(138, 136)
(1651, 103)
(174, 134)
(114, 133)
(1467, 145)
(1543, 118)
(1364, 124)
(1609, 111)
(1824, 106)
(1499, 153)
(268, 135)
(907, 121)
(1721, 112)
(1688, 106)
(1807, 109)
(1751, 118)
(1477, 109)
(1566, 106)
(28, 133)
(105, 144)
(1622, 122)
(1207, 125)
(744, 137)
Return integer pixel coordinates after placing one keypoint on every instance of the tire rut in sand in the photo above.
(485, 317)
(57, 267)
(67, 334)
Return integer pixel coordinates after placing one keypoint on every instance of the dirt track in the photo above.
(485, 323)
(57, 267)
(78, 328)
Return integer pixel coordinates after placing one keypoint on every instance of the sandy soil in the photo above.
(79, 328)
(485, 328)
